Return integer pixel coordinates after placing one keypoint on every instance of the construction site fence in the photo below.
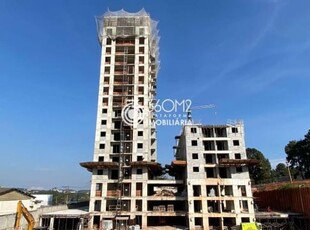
(295, 200)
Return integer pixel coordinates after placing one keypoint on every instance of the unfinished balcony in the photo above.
(210, 159)
(99, 165)
(98, 191)
(221, 145)
(112, 190)
(122, 50)
(123, 81)
(166, 208)
(125, 41)
(121, 60)
(228, 206)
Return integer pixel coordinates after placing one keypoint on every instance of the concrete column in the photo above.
(144, 205)
(40, 221)
(51, 227)
(204, 192)
(205, 223)
(144, 222)
(191, 221)
(104, 193)
(222, 223)
(133, 188)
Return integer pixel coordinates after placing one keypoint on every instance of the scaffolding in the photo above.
(121, 23)
(122, 136)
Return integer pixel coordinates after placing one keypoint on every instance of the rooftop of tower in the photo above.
(125, 23)
(123, 18)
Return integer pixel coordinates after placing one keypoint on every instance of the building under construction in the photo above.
(210, 186)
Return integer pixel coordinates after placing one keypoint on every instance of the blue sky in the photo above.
(248, 57)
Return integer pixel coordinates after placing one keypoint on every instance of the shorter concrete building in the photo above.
(215, 173)
(73, 217)
(60, 217)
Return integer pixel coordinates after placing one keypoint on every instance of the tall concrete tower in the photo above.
(125, 143)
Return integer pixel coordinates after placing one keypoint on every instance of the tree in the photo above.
(281, 170)
(260, 173)
(298, 155)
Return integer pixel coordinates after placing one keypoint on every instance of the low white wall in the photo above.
(7, 221)
(8, 207)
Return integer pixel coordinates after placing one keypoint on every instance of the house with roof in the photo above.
(9, 198)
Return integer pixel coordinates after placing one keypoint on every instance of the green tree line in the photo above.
(298, 163)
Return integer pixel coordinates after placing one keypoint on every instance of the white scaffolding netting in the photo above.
(121, 23)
